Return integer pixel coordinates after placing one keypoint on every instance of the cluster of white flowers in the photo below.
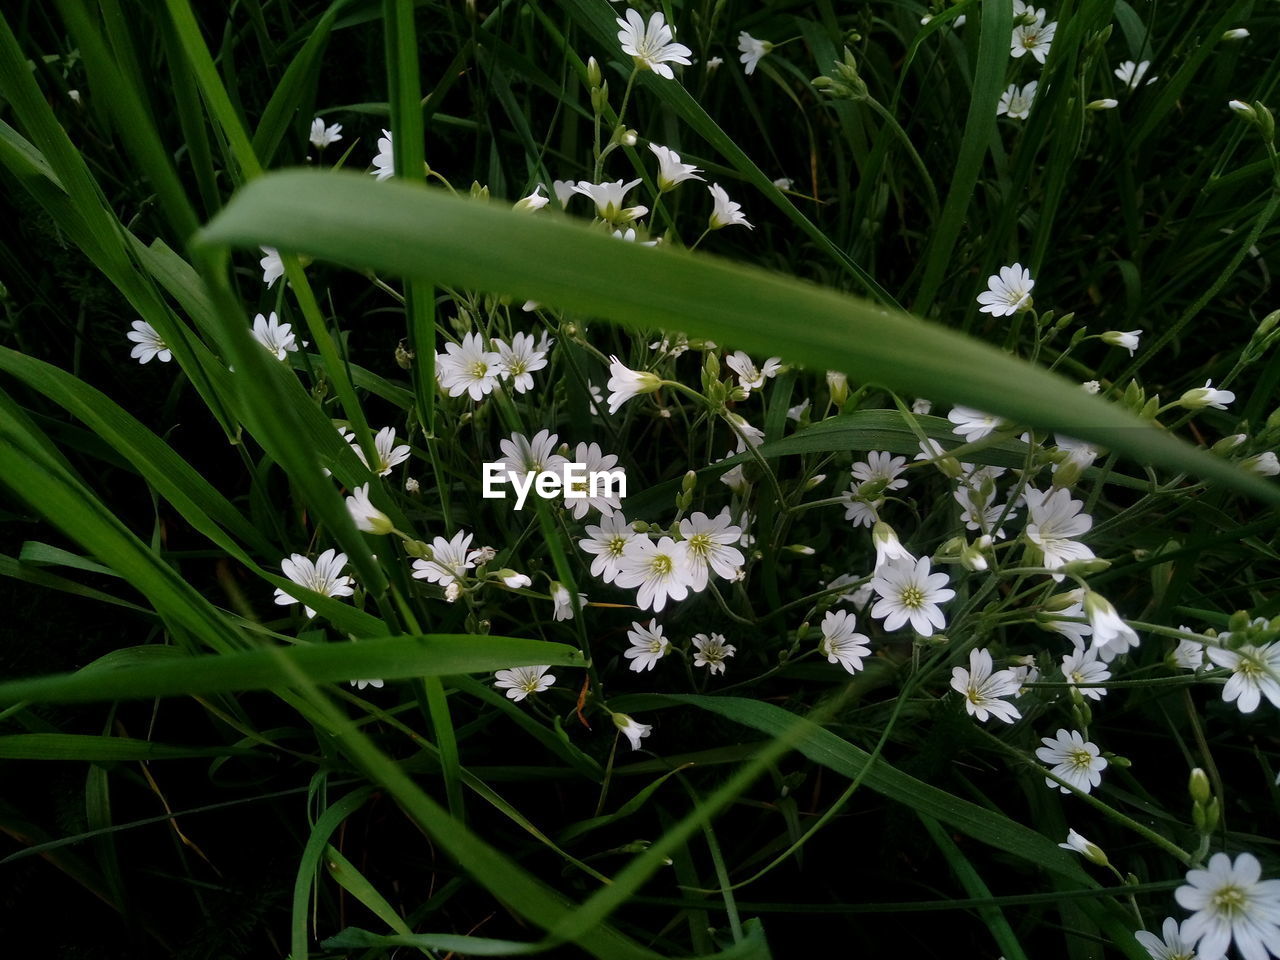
(477, 365)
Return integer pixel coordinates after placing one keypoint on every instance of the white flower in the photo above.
(385, 162)
(842, 644)
(324, 576)
(1007, 292)
(1206, 396)
(1083, 666)
(625, 383)
(648, 646)
(468, 368)
(984, 689)
(1086, 848)
(797, 412)
(751, 377)
(888, 546)
(594, 460)
(272, 266)
(712, 651)
(883, 466)
(361, 684)
(367, 517)
(972, 424)
(735, 478)
(908, 591)
(450, 560)
(1255, 673)
(277, 337)
(523, 456)
(629, 235)
(660, 570)
(671, 171)
(859, 596)
(608, 198)
(1032, 38)
(519, 682)
(752, 50)
(980, 511)
(1015, 103)
(562, 601)
(631, 729)
(1128, 339)
(727, 213)
(1026, 13)
(1175, 945)
(147, 343)
(1054, 521)
(1074, 607)
(784, 183)
(1131, 74)
(390, 454)
(1105, 103)
(322, 136)
(1072, 758)
(1235, 33)
(519, 359)
(513, 580)
(921, 407)
(1078, 452)
(651, 46)
(1264, 464)
(1190, 653)
(709, 546)
(1109, 631)
(1231, 901)
(533, 202)
(563, 189)
(608, 542)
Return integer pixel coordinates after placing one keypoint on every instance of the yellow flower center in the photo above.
(1230, 900)
(912, 597)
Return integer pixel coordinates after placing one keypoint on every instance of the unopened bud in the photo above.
(1236, 33)
(1106, 103)
(418, 549)
(838, 384)
(1198, 787)
(593, 72)
(689, 482)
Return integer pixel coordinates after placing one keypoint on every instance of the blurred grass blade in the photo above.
(69, 746)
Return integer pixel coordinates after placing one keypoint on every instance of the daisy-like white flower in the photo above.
(1074, 759)
(390, 454)
(1078, 452)
(594, 460)
(1016, 103)
(272, 266)
(468, 367)
(1128, 339)
(985, 689)
(321, 136)
(882, 466)
(1206, 396)
(148, 345)
(1083, 666)
(609, 197)
(533, 202)
(367, 517)
(632, 729)
(384, 164)
(752, 50)
(709, 546)
(1111, 635)
(323, 576)
(1255, 673)
(651, 46)
(361, 684)
(1131, 74)
(671, 171)
(712, 651)
(660, 570)
(648, 646)
(562, 601)
(523, 456)
(980, 510)
(841, 643)
(450, 560)
(1086, 848)
(1190, 653)
(519, 359)
(751, 377)
(625, 383)
(519, 682)
(726, 213)
(1173, 945)
(1072, 606)
(1024, 12)
(608, 542)
(1033, 38)
(1008, 291)
(1054, 521)
(972, 424)
(1231, 901)
(908, 591)
(277, 337)
(888, 547)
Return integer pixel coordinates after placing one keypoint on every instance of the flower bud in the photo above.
(689, 482)
(1264, 464)
(593, 72)
(412, 487)
(800, 549)
(838, 384)
(1106, 103)
(971, 558)
(453, 591)
(1085, 568)
(1198, 787)
(600, 98)
(1242, 108)
(418, 549)
(1227, 444)
(1236, 33)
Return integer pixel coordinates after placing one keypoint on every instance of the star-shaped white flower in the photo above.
(562, 601)
(519, 682)
(752, 50)
(1174, 944)
(1131, 74)
(148, 345)
(523, 456)
(519, 359)
(276, 337)
(726, 213)
(651, 46)
(625, 383)
(712, 651)
(468, 367)
(608, 542)
(1016, 103)
(671, 170)
(450, 560)
(1008, 291)
(660, 570)
(1072, 758)
(1033, 38)
(1231, 902)
(648, 646)
(272, 266)
(384, 164)
(709, 546)
(594, 460)
(323, 576)
(322, 136)
(841, 643)
(609, 199)
(1083, 666)
(1255, 673)
(909, 592)
(972, 424)
(984, 689)
(367, 517)
(632, 729)
(1054, 521)
(751, 377)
